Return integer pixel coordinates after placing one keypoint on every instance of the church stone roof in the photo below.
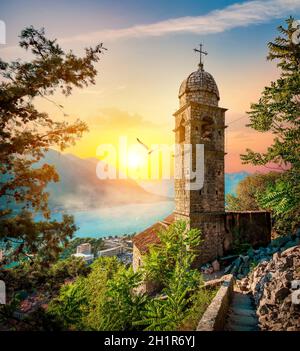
(149, 236)
(199, 81)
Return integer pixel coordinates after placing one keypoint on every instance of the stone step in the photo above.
(241, 298)
(242, 306)
(241, 315)
(245, 305)
(238, 327)
(242, 320)
(243, 312)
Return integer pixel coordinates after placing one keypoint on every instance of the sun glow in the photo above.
(136, 159)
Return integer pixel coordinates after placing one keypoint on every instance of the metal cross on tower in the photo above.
(201, 53)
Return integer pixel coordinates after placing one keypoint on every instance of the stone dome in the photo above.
(200, 83)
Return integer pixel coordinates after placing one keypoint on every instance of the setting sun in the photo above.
(136, 159)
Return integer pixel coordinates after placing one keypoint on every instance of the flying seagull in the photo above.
(145, 146)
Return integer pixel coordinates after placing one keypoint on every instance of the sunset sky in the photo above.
(150, 51)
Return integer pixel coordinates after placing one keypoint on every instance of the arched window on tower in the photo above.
(181, 132)
(207, 129)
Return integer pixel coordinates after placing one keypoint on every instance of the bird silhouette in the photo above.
(149, 151)
(146, 147)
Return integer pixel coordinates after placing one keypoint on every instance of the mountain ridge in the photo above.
(79, 186)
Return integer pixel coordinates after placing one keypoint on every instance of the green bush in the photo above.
(108, 298)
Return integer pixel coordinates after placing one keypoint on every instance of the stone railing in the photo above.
(214, 317)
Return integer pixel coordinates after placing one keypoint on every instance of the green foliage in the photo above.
(282, 199)
(35, 277)
(26, 133)
(71, 305)
(278, 108)
(177, 245)
(249, 191)
(70, 268)
(268, 192)
(283, 48)
(110, 298)
(89, 295)
(170, 263)
(167, 313)
(198, 304)
(278, 112)
(26, 279)
(123, 304)
(23, 239)
(7, 311)
(104, 300)
(103, 270)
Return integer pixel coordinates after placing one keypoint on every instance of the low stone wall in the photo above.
(247, 227)
(214, 317)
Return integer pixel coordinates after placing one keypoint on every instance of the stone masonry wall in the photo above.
(247, 227)
(212, 233)
(136, 258)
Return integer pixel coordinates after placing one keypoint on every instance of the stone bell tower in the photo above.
(199, 120)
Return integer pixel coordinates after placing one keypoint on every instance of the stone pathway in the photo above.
(241, 315)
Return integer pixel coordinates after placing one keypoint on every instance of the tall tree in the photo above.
(26, 134)
(249, 191)
(278, 111)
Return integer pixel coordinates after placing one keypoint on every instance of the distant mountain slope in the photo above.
(79, 186)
